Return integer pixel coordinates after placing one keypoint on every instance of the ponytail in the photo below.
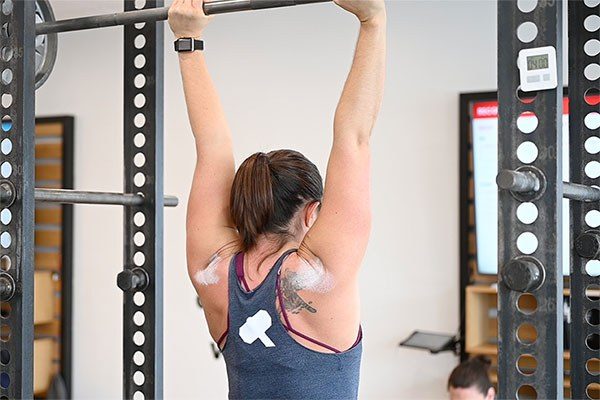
(268, 190)
(252, 203)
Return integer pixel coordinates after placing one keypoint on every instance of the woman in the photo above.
(273, 256)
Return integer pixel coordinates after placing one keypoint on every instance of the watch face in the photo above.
(185, 45)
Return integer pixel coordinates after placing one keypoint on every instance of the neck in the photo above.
(267, 249)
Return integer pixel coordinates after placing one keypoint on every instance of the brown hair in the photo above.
(268, 189)
(472, 373)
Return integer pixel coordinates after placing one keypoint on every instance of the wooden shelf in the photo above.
(43, 369)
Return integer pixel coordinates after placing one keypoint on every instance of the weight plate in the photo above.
(46, 46)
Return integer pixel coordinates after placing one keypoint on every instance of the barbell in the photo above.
(46, 41)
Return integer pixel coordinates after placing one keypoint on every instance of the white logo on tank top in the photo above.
(256, 327)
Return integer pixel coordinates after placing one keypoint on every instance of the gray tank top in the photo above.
(264, 362)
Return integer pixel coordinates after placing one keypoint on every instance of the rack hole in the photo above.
(592, 145)
(4, 380)
(139, 81)
(6, 123)
(527, 303)
(592, 23)
(592, 120)
(5, 216)
(592, 47)
(139, 4)
(4, 357)
(140, 25)
(138, 358)
(593, 366)
(592, 169)
(527, 152)
(526, 333)
(138, 396)
(139, 120)
(139, 259)
(5, 240)
(7, 100)
(139, 160)
(5, 263)
(139, 299)
(139, 140)
(592, 268)
(6, 146)
(139, 61)
(591, 3)
(5, 333)
(526, 97)
(527, 6)
(592, 96)
(593, 391)
(139, 41)
(527, 32)
(526, 392)
(139, 219)
(139, 378)
(592, 341)
(592, 218)
(139, 338)
(139, 100)
(139, 179)
(592, 316)
(139, 239)
(592, 72)
(6, 169)
(527, 243)
(527, 364)
(5, 310)
(7, 7)
(527, 213)
(527, 122)
(139, 318)
(7, 76)
(6, 54)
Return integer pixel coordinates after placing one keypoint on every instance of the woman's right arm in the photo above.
(340, 235)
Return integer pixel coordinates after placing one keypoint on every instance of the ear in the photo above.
(491, 394)
(311, 213)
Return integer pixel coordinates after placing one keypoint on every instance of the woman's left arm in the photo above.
(209, 225)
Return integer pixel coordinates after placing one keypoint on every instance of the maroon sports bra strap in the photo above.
(239, 270)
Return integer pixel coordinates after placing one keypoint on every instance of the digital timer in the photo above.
(537, 68)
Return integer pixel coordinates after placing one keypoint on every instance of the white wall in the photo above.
(280, 74)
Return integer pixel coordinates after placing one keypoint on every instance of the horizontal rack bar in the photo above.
(522, 182)
(160, 14)
(65, 196)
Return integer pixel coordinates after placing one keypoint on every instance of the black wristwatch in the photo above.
(188, 45)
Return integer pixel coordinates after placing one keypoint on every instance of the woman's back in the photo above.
(264, 361)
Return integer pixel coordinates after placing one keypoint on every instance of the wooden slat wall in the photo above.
(48, 250)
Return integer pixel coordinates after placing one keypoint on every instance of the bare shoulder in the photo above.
(215, 274)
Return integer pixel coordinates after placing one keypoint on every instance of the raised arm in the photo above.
(340, 235)
(209, 224)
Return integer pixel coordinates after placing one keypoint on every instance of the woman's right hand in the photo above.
(187, 18)
(365, 10)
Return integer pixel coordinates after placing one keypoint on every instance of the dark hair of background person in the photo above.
(472, 373)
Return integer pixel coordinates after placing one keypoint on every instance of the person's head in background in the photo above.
(471, 381)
